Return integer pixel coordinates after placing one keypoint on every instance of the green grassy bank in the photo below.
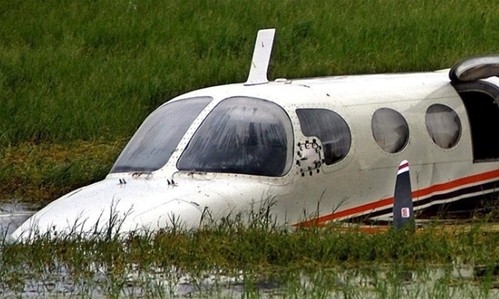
(39, 173)
(78, 77)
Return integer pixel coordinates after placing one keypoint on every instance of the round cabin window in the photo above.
(443, 125)
(390, 130)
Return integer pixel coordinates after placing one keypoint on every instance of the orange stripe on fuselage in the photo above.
(389, 201)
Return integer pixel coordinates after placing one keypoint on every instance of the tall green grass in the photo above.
(88, 70)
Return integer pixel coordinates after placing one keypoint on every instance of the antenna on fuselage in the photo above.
(261, 57)
(403, 211)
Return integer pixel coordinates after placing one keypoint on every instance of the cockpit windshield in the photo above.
(241, 135)
(155, 141)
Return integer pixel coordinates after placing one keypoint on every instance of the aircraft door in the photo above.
(481, 100)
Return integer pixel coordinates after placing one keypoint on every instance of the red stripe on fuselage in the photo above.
(389, 201)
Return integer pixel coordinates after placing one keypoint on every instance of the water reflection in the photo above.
(13, 214)
(56, 279)
(363, 282)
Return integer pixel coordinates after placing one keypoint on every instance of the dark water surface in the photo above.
(13, 214)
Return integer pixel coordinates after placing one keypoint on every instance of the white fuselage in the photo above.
(358, 184)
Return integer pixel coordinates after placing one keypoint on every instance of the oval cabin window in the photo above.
(443, 125)
(331, 129)
(390, 130)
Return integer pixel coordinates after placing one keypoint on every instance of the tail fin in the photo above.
(403, 211)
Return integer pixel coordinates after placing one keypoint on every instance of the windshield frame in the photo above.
(158, 137)
(269, 109)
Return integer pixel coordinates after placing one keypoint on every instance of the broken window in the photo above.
(330, 128)
(241, 135)
(390, 130)
(443, 125)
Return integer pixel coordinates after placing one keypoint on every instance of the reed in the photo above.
(232, 256)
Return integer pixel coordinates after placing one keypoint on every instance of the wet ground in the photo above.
(382, 282)
(388, 281)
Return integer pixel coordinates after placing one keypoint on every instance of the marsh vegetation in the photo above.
(259, 259)
(78, 77)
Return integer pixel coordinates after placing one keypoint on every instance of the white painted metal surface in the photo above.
(261, 57)
(360, 185)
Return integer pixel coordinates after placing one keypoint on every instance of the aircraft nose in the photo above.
(107, 207)
(176, 213)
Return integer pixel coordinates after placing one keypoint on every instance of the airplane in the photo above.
(311, 150)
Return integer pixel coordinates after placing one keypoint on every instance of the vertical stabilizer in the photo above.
(403, 212)
(261, 57)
